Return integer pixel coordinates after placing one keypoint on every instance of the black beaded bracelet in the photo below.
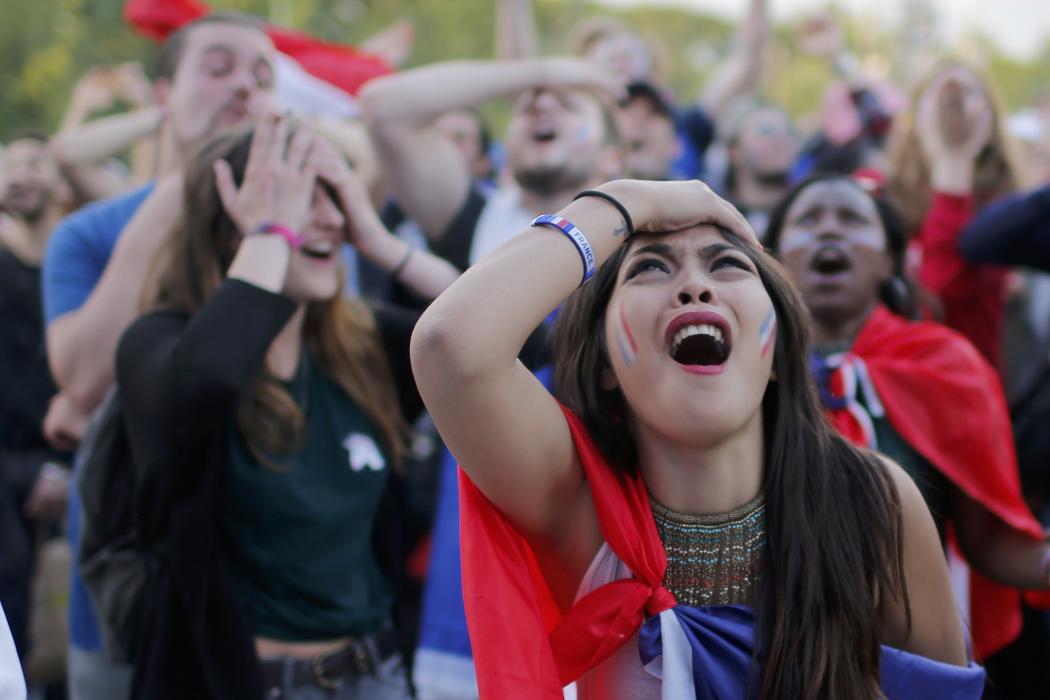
(613, 201)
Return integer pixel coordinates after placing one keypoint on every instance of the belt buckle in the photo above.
(317, 664)
(361, 659)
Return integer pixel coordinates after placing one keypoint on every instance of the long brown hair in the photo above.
(997, 171)
(340, 334)
(834, 519)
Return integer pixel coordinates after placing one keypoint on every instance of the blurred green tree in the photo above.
(50, 43)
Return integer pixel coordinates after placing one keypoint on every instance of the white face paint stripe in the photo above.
(765, 331)
(625, 350)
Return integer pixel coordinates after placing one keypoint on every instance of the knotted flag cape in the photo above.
(524, 646)
(945, 401)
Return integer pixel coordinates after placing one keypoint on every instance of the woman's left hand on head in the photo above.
(665, 207)
(363, 223)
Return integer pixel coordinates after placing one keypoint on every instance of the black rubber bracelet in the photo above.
(395, 274)
(613, 201)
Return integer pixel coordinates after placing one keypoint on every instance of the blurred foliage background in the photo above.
(45, 45)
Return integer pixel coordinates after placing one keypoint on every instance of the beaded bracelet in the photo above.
(613, 201)
(294, 239)
(583, 246)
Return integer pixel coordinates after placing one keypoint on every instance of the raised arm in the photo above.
(81, 343)
(421, 271)
(104, 138)
(497, 419)
(741, 71)
(1013, 231)
(515, 30)
(80, 147)
(427, 173)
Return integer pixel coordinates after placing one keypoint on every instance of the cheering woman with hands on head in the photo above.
(265, 413)
(685, 501)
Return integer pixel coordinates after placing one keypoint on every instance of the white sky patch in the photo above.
(1019, 27)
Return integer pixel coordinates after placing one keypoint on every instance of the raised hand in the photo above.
(132, 84)
(278, 180)
(95, 91)
(665, 207)
(954, 118)
(821, 36)
(365, 230)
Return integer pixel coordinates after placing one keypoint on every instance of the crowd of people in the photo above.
(333, 392)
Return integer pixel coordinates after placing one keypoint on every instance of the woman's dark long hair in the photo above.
(898, 293)
(340, 333)
(833, 514)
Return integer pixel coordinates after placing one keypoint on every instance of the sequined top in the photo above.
(714, 559)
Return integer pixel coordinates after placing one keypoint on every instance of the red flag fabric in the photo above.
(524, 646)
(336, 64)
(945, 401)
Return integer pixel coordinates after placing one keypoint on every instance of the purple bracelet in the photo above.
(292, 237)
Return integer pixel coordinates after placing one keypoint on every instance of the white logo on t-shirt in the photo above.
(363, 452)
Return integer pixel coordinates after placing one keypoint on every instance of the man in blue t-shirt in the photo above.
(213, 74)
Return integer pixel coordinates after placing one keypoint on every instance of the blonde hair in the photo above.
(997, 170)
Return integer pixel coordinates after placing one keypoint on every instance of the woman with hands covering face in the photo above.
(266, 411)
(680, 521)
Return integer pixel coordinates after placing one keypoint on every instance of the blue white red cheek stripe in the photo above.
(766, 330)
(628, 348)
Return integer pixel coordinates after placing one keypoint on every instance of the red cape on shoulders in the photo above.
(946, 401)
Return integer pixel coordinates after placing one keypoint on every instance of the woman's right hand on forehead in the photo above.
(278, 181)
(665, 207)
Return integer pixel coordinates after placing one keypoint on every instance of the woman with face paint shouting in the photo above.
(681, 522)
(918, 392)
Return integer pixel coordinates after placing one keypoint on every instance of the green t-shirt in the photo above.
(299, 538)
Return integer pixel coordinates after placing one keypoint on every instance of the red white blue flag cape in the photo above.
(526, 647)
(945, 401)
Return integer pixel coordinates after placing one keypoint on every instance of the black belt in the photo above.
(359, 657)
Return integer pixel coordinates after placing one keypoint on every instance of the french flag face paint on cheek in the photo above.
(767, 331)
(625, 339)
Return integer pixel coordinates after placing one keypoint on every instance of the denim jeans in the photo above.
(389, 682)
(93, 676)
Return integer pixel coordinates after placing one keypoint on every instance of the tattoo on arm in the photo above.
(621, 229)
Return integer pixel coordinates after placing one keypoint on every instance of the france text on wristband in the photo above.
(575, 235)
(294, 238)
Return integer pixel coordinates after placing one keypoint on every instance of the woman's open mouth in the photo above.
(318, 250)
(830, 263)
(699, 342)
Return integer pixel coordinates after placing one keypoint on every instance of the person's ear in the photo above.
(886, 271)
(608, 380)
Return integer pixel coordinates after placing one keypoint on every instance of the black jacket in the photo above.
(181, 380)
